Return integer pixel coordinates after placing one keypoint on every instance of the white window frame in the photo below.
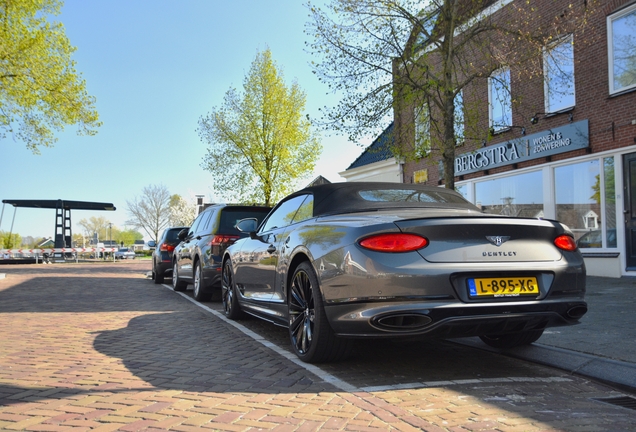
(506, 108)
(610, 48)
(549, 62)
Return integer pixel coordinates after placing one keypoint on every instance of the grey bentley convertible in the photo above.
(375, 260)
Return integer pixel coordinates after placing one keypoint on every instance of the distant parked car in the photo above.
(162, 254)
(594, 239)
(197, 259)
(125, 253)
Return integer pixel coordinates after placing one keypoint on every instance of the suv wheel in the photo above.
(177, 283)
(200, 291)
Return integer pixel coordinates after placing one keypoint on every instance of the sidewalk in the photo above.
(602, 347)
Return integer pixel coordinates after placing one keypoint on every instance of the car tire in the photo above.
(513, 339)
(200, 290)
(312, 338)
(177, 283)
(229, 295)
(158, 278)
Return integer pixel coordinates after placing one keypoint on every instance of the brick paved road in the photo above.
(98, 346)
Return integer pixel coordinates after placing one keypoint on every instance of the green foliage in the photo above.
(100, 225)
(40, 90)
(128, 237)
(10, 240)
(395, 60)
(259, 141)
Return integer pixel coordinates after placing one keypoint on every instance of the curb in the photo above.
(613, 372)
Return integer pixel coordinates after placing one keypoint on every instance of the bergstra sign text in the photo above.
(562, 139)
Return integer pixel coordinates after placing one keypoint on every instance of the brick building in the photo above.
(560, 147)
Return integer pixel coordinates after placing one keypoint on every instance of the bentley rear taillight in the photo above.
(565, 242)
(394, 242)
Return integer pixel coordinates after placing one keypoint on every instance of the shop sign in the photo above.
(573, 136)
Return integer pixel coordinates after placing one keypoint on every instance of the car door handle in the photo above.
(271, 249)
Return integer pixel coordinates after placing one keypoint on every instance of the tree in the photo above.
(99, 225)
(10, 240)
(127, 237)
(182, 212)
(40, 90)
(151, 211)
(259, 141)
(392, 59)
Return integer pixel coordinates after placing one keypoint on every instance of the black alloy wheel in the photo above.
(312, 338)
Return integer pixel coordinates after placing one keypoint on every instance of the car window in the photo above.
(204, 227)
(196, 222)
(230, 217)
(172, 235)
(405, 195)
(306, 210)
(284, 213)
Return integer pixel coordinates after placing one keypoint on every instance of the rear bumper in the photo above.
(450, 320)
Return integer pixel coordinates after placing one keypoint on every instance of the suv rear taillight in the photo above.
(166, 247)
(220, 240)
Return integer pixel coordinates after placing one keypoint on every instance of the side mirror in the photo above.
(152, 244)
(249, 225)
(182, 234)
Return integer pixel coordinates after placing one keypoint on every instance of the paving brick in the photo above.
(106, 349)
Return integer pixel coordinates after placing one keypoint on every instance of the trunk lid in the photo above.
(486, 239)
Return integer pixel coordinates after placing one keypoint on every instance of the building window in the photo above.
(499, 100)
(422, 131)
(578, 200)
(459, 118)
(558, 70)
(519, 195)
(621, 29)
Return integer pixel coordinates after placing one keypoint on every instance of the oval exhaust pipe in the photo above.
(403, 321)
(577, 311)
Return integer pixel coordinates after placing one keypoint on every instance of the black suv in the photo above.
(162, 255)
(197, 259)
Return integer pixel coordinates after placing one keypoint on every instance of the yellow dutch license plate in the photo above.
(503, 287)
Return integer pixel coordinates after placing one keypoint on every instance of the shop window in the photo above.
(499, 100)
(422, 131)
(578, 201)
(621, 28)
(558, 71)
(462, 189)
(520, 195)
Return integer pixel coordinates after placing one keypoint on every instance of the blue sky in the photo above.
(155, 68)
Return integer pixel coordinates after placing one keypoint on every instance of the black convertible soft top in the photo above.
(338, 198)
